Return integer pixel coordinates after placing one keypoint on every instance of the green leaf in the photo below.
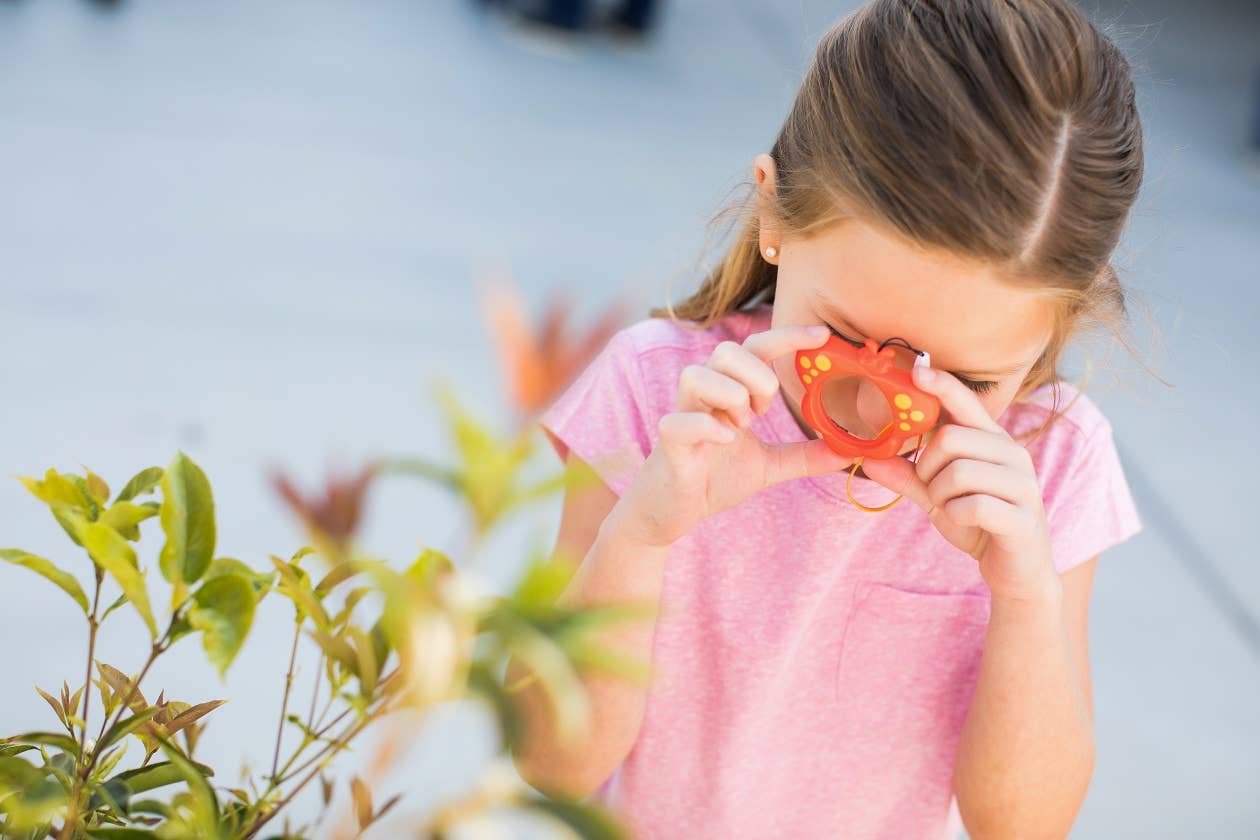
(221, 566)
(490, 465)
(223, 609)
(157, 775)
(337, 574)
(115, 555)
(97, 487)
(68, 583)
(188, 521)
(56, 489)
(113, 795)
(122, 599)
(60, 740)
(295, 585)
(429, 566)
(125, 517)
(589, 820)
(482, 681)
(141, 483)
(18, 773)
(38, 799)
(15, 749)
(122, 833)
(126, 726)
(205, 805)
(368, 668)
(542, 584)
(93, 507)
(337, 650)
(67, 502)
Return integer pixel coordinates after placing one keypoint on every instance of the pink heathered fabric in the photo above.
(813, 664)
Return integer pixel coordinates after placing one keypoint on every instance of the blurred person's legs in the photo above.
(635, 15)
(560, 14)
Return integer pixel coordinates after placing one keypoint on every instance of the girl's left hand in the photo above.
(980, 491)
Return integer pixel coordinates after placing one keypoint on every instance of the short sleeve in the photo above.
(602, 416)
(1089, 506)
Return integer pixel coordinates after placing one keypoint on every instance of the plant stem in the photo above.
(86, 766)
(284, 704)
(93, 625)
(154, 652)
(82, 768)
(369, 716)
(319, 673)
(346, 735)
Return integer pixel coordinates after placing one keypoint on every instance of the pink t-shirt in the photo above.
(813, 664)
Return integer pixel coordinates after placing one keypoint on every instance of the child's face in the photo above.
(867, 283)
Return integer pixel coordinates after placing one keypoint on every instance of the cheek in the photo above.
(997, 401)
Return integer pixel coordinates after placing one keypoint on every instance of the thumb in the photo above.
(799, 460)
(899, 476)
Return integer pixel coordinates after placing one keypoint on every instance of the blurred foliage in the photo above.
(386, 639)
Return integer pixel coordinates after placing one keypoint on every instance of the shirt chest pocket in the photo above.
(908, 660)
(907, 670)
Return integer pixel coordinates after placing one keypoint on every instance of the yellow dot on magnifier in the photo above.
(902, 401)
(916, 415)
(805, 363)
(905, 427)
(807, 378)
(823, 363)
(904, 416)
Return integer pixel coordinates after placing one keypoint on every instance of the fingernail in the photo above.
(924, 375)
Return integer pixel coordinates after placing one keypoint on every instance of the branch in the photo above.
(284, 704)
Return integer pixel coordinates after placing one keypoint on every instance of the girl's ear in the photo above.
(764, 174)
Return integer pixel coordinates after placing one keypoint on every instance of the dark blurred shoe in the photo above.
(625, 28)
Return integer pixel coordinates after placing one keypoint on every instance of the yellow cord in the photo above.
(848, 485)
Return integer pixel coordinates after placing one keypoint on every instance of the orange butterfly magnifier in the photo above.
(911, 412)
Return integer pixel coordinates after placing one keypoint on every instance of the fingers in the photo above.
(702, 388)
(773, 343)
(749, 363)
(965, 477)
(953, 441)
(684, 429)
(799, 460)
(962, 404)
(988, 513)
(898, 475)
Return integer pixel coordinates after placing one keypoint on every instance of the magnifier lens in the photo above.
(856, 405)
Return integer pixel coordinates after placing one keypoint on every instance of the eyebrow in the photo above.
(837, 315)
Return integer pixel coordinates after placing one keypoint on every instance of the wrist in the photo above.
(1045, 594)
(630, 528)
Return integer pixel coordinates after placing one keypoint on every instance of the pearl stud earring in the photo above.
(771, 252)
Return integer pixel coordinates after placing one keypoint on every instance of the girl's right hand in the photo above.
(707, 459)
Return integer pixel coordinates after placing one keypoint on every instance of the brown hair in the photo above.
(999, 130)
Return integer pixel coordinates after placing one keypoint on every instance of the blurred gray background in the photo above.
(252, 231)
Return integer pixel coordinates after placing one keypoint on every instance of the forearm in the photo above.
(617, 703)
(1026, 753)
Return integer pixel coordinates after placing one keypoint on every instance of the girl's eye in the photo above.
(979, 387)
(841, 335)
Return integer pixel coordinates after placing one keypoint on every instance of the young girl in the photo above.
(956, 174)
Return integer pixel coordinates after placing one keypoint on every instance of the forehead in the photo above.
(957, 309)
